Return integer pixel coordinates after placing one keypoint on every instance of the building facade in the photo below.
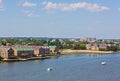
(26, 52)
(6, 52)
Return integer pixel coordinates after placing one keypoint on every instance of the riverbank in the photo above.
(25, 59)
(63, 52)
(69, 51)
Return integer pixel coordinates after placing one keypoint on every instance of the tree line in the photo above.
(64, 44)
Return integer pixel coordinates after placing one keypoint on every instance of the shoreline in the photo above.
(63, 52)
(69, 51)
(24, 59)
(28, 59)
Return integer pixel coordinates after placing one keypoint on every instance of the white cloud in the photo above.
(28, 4)
(1, 5)
(118, 9)
(32, 15)
(74, 6)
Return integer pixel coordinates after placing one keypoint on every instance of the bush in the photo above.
(101, 49)
(112, 48)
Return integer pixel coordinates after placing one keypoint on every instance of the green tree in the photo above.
(54, 43)
(12, 41)
(79, 45)
(3, 42)
(113, 48)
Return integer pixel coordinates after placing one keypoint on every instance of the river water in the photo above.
(75, 67)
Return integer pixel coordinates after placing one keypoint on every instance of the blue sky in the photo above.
(60, 18)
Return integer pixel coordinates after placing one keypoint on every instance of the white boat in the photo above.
(49, 69)
(103, 63)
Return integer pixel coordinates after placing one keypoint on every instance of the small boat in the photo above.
(49, 69)
(103, 63)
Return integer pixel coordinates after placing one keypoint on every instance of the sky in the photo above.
(60, 18)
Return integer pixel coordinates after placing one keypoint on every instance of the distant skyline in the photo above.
(60, 18)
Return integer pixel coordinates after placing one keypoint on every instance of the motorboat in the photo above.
(49, 69)
(103, 63)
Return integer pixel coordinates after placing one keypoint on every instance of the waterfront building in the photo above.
(103, 46)
(44, 50)
(97, 47)
(88, 46)
(47, 49)
(53, 49)
(94, 47)
(6, 52)
(24, 51)
(36, 50)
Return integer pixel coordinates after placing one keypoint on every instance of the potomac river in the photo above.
(74, 67)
